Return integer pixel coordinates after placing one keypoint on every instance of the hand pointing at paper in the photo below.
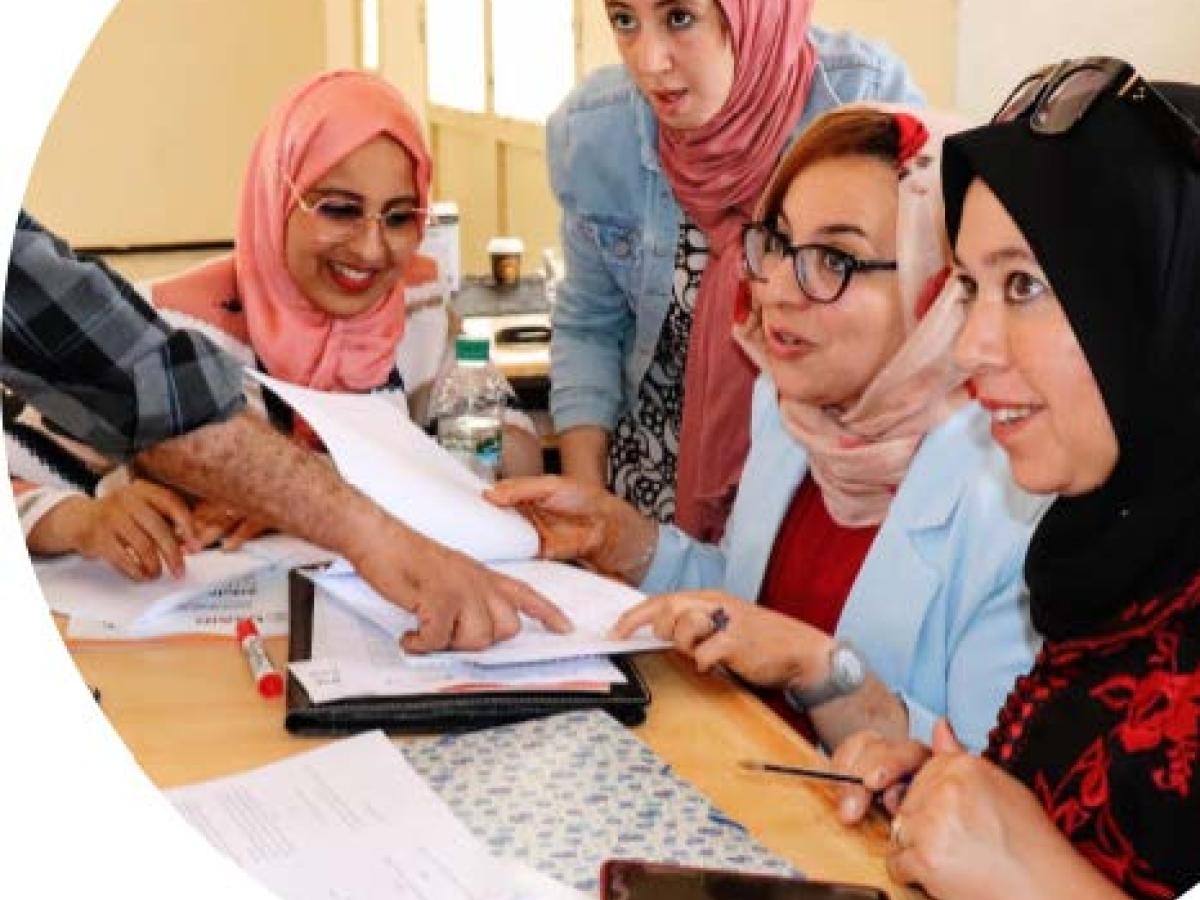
(460, 604)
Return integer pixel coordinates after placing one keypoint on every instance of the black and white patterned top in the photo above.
(645, 443)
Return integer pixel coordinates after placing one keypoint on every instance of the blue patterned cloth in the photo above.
(565, 793)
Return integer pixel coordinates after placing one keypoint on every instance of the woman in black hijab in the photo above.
(1076, 223)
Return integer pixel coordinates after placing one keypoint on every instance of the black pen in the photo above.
(800, 771)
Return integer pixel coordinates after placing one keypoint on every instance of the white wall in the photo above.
(1002, 40)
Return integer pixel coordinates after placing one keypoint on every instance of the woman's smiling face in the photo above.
(1024, 361)
(344, 270)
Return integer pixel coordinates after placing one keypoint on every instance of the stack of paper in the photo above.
(216, 589)
(352, 819)
(353, 657)
(400, 467)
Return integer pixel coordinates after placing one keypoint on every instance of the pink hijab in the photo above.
(859, 456)
(310, 132)
(718, 172)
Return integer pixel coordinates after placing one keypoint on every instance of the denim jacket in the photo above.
(620, 221)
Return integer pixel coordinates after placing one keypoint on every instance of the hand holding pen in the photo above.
(845, 779)
(884, 767)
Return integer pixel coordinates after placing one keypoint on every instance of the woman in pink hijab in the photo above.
(318, 289)
(657, 164)
(871, 572)
(332, 212)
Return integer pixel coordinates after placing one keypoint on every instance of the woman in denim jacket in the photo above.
(657, 164)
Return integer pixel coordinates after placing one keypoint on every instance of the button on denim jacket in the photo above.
(620, 223)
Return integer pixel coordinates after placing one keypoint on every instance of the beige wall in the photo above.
(151, 139)
(150, 142)
(1000, 42)
(595, 46)
(402, 49)
(343, 33)
(922, 32)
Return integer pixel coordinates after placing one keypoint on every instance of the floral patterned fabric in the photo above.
(567, 792)
(645, 444)
(1106, 731)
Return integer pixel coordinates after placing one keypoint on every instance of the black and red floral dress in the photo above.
(1106, 731)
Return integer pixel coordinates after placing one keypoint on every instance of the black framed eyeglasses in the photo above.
(822, 272)
(1057, 97)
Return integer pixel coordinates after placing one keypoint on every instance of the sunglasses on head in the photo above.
(1057, 97)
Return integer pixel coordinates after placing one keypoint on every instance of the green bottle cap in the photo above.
(471, 349)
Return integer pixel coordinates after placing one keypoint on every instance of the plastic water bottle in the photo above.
(469, 404)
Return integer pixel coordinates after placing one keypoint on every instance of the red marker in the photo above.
(270, 682)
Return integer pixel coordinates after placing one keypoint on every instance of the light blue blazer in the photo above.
(939, 608)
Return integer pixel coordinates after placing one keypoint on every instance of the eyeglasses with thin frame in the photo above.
(340, 218)
(822, 272)
(1057, 97)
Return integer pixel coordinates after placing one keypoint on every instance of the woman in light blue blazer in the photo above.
(871, 483)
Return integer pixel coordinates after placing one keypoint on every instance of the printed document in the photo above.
(262, 598)
(352, 819)
(92, 589)
(592, 603)
(353, 657)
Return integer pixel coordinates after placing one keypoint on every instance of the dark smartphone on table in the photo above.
(631, 879)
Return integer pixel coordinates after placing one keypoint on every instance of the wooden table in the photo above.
(188, 711)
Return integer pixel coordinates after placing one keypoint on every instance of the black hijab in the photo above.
(1111, 209)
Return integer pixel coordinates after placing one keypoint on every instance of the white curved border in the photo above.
(83, 819)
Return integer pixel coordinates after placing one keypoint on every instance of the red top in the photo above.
(812, 568)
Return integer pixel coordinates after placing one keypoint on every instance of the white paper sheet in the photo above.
(592, 602)
(263, 598)
(402, 469)
(406, 472)
(352, 657)
(352, 819)
(92, 589)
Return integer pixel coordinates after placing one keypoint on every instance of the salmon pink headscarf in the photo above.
(858, 456)
(717, 172)
(310, 132)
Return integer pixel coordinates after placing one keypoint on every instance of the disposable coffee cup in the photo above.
(506, 260)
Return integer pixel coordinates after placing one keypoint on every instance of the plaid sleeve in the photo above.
(81, 345)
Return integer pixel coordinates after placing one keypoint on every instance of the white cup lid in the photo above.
(506, 245)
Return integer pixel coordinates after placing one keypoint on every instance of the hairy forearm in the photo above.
(584, 453)
(247, 464)
(872, 707)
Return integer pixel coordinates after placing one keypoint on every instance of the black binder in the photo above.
(437, 712)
